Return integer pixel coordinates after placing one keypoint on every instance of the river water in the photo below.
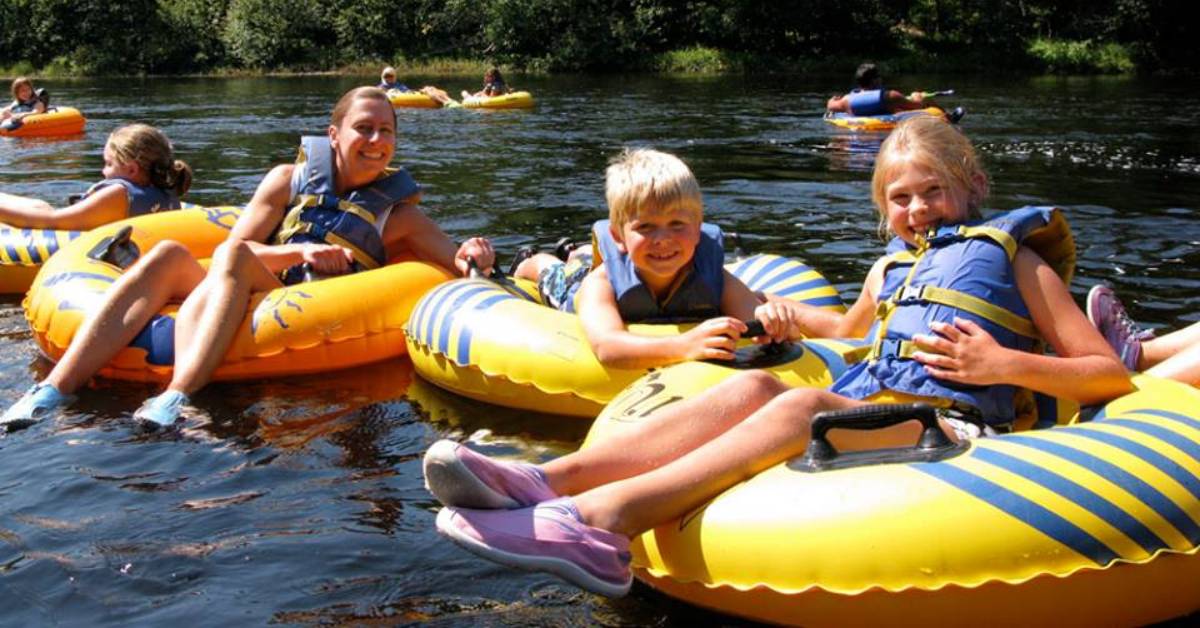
(300, 500)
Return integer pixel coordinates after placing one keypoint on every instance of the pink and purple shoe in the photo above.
(461, 478)
(549, 537)
(1108, 314)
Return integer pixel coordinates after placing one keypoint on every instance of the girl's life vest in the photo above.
(354, 221)
(24, 106)
(867, 102)
(697, 291)
(962, 271)
(146, 199)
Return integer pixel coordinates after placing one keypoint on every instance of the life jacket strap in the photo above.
(912, 295)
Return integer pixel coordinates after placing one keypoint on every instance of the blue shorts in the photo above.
(559, 282)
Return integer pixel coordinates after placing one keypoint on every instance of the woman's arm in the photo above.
(409, 229)
(1084, 367)
(108, 204)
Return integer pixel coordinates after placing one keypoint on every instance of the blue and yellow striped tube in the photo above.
(1096, 523)
(23, 251)
(494, 344)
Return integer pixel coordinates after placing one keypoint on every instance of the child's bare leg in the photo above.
(778, 431)
(673, 431)
(211, 316)
(166, 272)
(1183, 366)
(532, 267)
(1156, 350)
(576, 252)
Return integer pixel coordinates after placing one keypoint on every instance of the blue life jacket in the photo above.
(354, 221)
(698, 297)
(962, 271)
(396, 86)
(495, 88)
(142, 199)
(869, 102)
(24, 106)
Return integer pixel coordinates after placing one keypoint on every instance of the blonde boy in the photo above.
(658, 262)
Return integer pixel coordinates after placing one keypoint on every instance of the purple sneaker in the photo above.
(461, 478)
(547, 537)
(1106, 312)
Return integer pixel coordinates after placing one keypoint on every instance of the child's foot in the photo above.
(460, 477)
(161, 411)
(1107, 313)
(547, 537)
(37, 402)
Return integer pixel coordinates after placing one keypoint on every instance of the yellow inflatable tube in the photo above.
(1096, 523)
(515, 100)
(59, 121)
(23, 251)
(494, 343)
(883, 122)
(318, 326)
(412, 100)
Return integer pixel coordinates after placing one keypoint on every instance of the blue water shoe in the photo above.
(160, 411)
(36, 404)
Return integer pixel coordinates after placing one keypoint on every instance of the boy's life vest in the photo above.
(868, 102)
(354, 221)
(962, 271)
(143, 199)
(697, 292)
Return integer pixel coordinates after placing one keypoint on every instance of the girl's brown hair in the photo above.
(17, 83)
(347, 99)
(150, 149)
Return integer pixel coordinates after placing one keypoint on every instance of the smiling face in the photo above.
(660, 243)
(24, 92)
(363, 142)
(917, 201)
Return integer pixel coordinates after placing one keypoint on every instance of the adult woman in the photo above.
(335, 180)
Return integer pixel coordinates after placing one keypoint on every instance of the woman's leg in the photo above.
(210, 317)
(166, 272)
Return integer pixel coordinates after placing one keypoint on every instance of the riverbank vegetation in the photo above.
(74, 37)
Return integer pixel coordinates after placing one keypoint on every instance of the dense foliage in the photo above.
(163, 36)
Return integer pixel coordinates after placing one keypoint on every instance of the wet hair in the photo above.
(388, 71)
(358, 93)
(867, 75)
(18, 83)
(938, 146)
(150, 149)
(642, 179)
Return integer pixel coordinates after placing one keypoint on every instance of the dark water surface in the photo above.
(300, 500)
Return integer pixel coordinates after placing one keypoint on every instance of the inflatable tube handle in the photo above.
(117, 249)
(932, 445)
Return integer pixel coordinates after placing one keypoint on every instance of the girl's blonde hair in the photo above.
(150, 149)
(644, 179)
(17, 83)
(938, 146)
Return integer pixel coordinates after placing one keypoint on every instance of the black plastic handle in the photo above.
(118, 249)
(933, 444)
(754, 329)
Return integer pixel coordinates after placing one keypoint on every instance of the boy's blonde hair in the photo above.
(150, 149)
(388, 71)
(17, 83)
(938, 146)
(643, 179)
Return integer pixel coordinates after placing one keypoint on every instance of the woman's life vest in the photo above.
(354, 221)
(24, 106)
(962, 271)
(697, 292)
(143, 199)
(396, 86)
(495, 88)
(868, 102)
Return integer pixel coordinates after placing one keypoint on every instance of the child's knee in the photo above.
(166, 253)
(759, 386)
(229, 256)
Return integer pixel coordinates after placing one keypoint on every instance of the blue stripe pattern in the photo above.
(816, 282)
(1130, 483)
(1159, 461)
(1023, 509)
(444, 325)
(464, 336)
(71, 276)
(1084, 497)
(753, 282)
(833, 361)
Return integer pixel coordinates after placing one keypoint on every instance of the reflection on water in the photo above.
(301, 500)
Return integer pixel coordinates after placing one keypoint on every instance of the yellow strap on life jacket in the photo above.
(968, 303)
(999, 236)
(293, 225)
